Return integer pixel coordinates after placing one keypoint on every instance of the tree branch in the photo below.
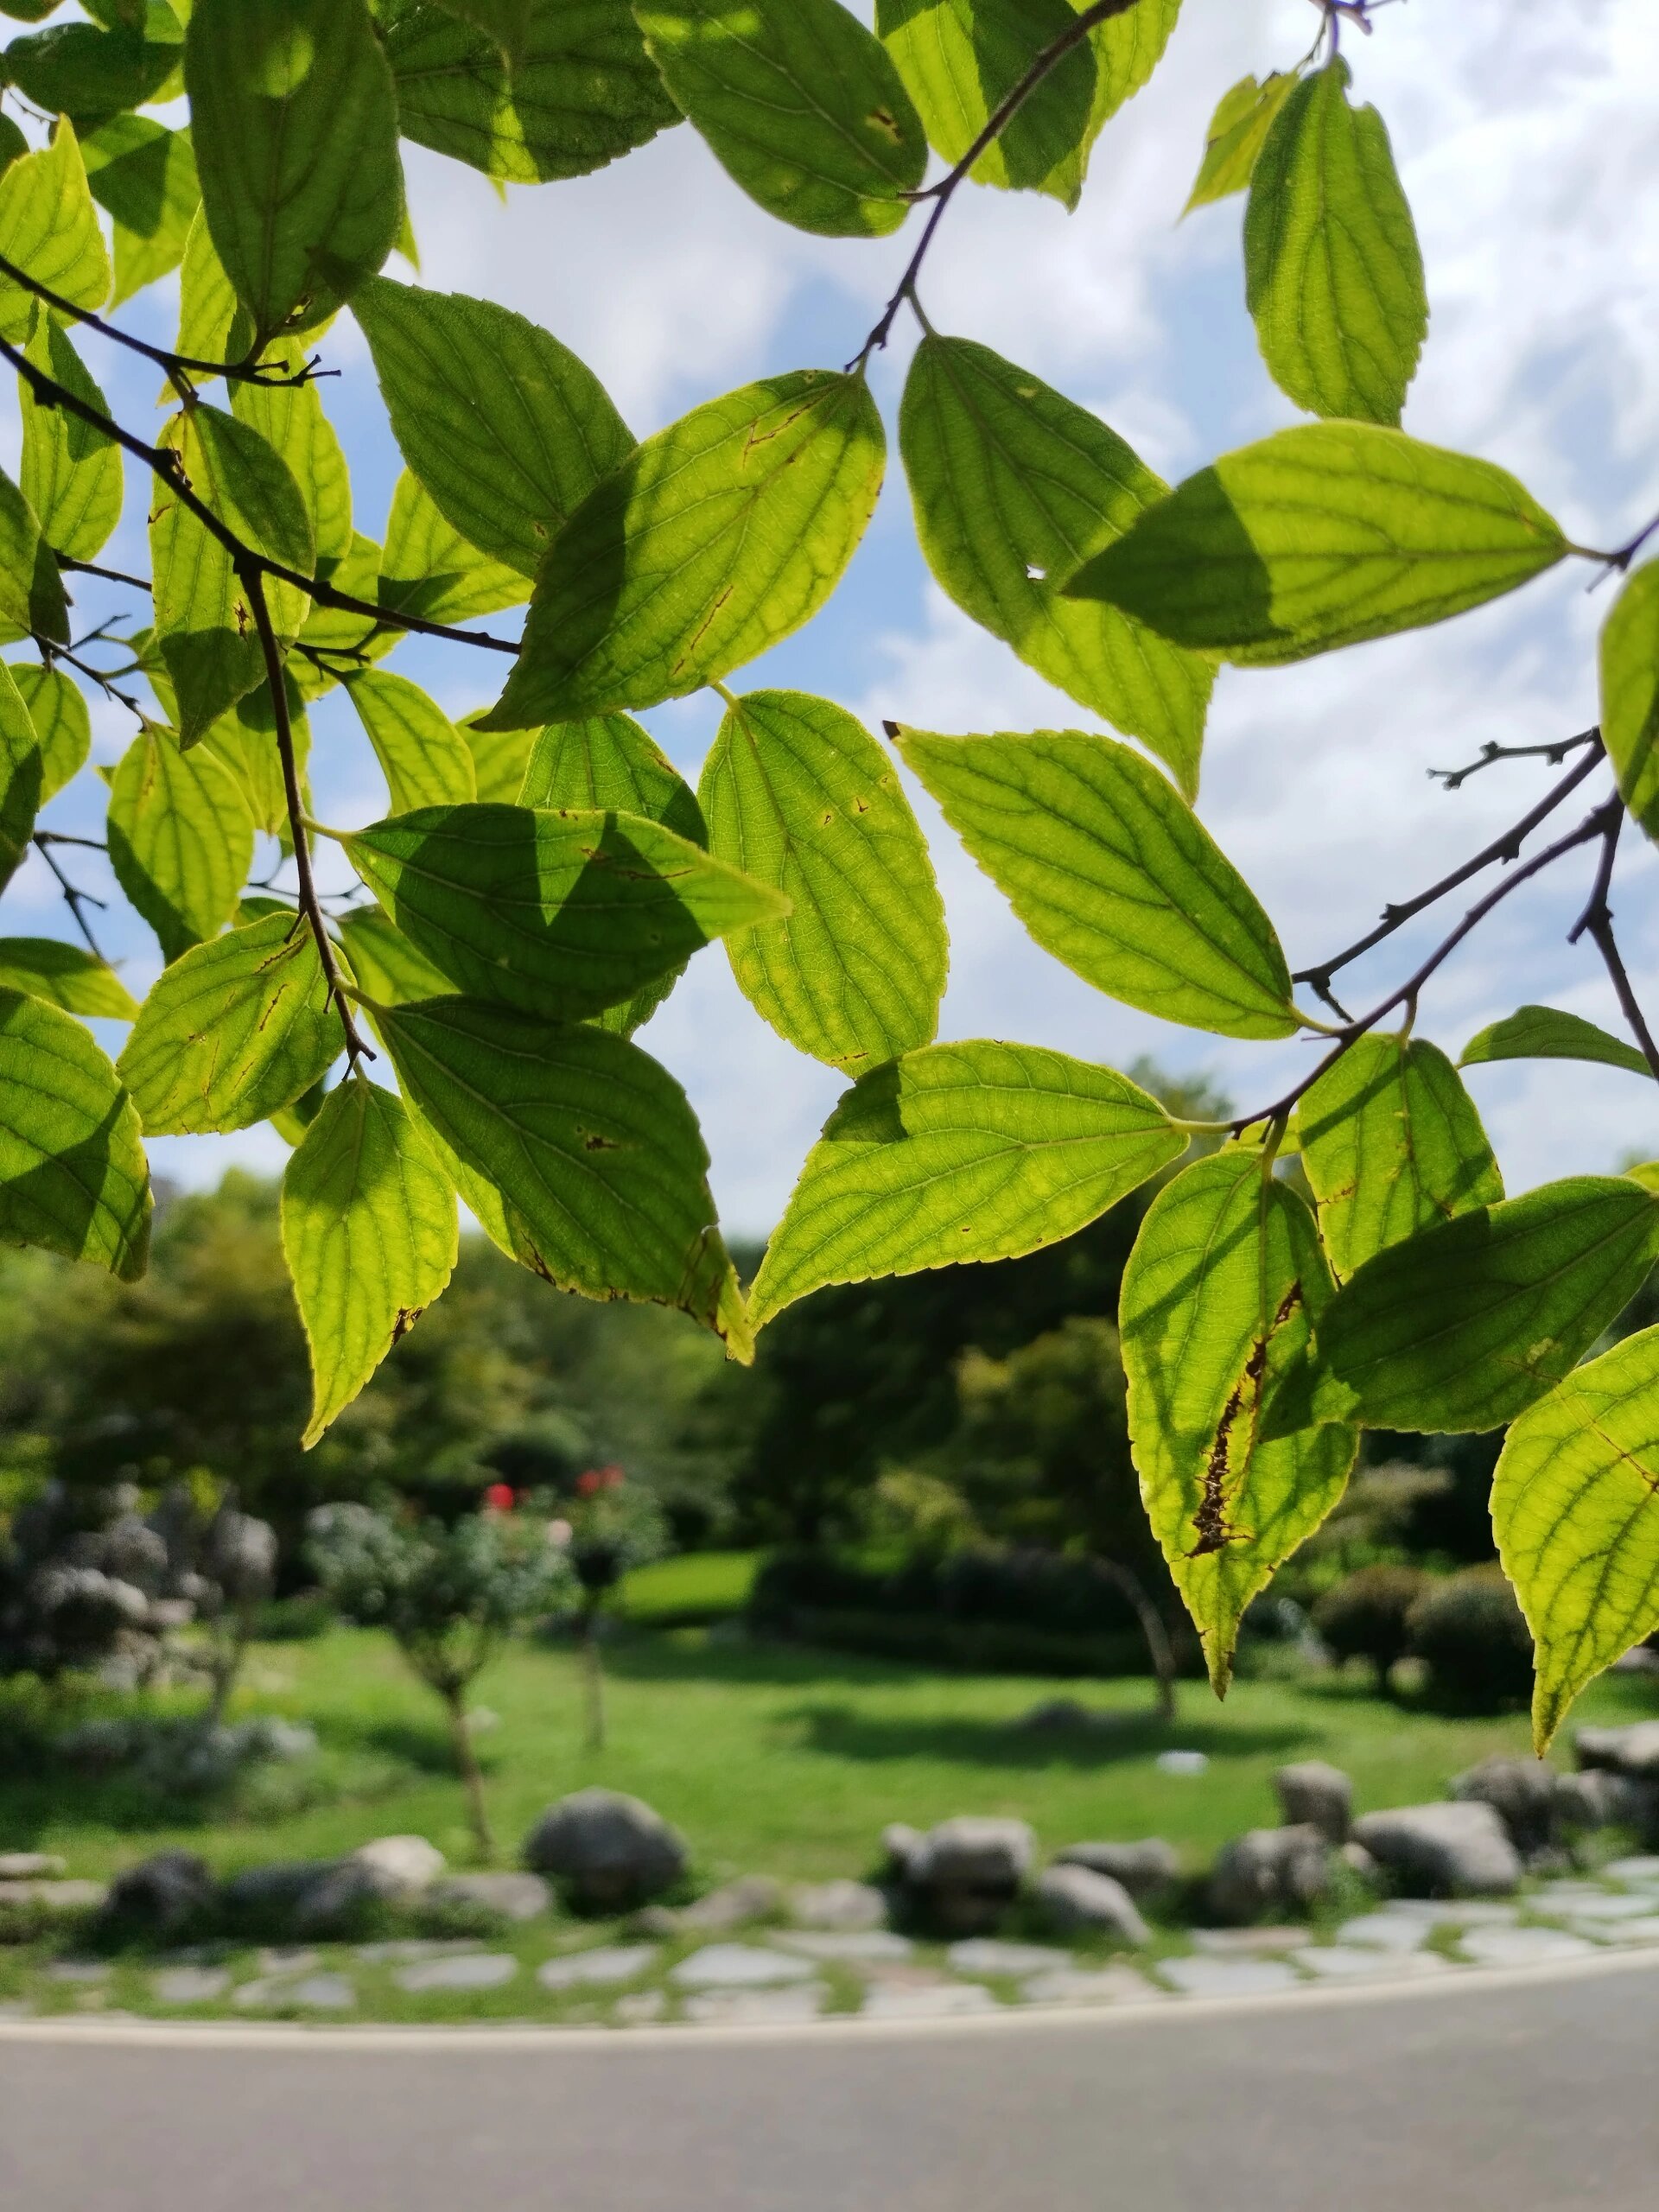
(1491, 755)
(1597, 922)
(1506, 848)
(253, 584)
(248, 371)
(74, 899)
(91, 568)
(996, 122)
(165, 466)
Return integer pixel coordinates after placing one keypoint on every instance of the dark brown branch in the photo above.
(49, 651)
(249, 372)
(166, 467)
(74, 899)
(253, 584)
(91, 568)
(1597, 922)
(996, 122)
(1595, 824)
(1506, 848)
(1491, 756)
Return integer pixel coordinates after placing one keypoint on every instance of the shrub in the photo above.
(1367, 1617)
(1469, 1633)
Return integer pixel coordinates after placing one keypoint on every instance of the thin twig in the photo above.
(1597, 922)
(248, 371)
(75, 899)
(1594, 825)
(49, 651)
(1491, 755)
(1506, 848)
(167, 466)
(254, 584)
(62, 837)
(92, 568)
(996, 122)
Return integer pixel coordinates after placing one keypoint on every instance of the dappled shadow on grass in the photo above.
(841, 1731)
(688, 1655)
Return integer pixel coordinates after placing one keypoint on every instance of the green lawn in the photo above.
(769, 1759)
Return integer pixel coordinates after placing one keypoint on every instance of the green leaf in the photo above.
(61, 722)
(1127, 47)
(1321, 536)
(1392, 1143)
(181, 839)
(1111, 872)
(559, 915)
(65, 976)
(31, 590)
(1333, 274)
(610, 762)
(1630, 694)
(145, 176)
(426, 760)
(960, 58)
(1465, 1325)
(1544, 1033)
(71, 473)
(245, 738)
(48, 227)
(22, 777)
(1224, 1284)
(506, 22)
(428, 568)
(388, 968)
(72, 1174)
(13, 144)
(1013, 487)
(583, 92)
(798, 794)
(204, 622)
(369, 1235)
(505, 427)
(799, 104)
(499, 759)
(90, 73)
(343, 633)
(295, 124)
(212, 325)
(1237, 133)
(290, 420)
(970, 1152)
(712, 541)
(590, 1144)
(235, 1029)
(1575, 1510)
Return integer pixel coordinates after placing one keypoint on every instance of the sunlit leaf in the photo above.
(181, 839)
(48, 227)
(426, 760)
(1224, 1282)
(1112, 873)
(65, 976)
(1630, 694)
(1320, 536)
(428, 568)
(369, 1231)
(977, 1151)
(1234, 137)
(31, 590)
(290, 420)
(1544, 1033)
(70, 473)
(72, 1172)
(22, 777)
(144, 176)
(388, 968)
(798, 794)
(61, 722)
(713, 540)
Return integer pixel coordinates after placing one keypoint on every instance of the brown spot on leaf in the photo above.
(882, 119)
(1214, 1530)
(407, 1317)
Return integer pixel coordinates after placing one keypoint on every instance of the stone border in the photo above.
(213, 2035)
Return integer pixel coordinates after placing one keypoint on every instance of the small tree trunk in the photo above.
(230, 1641)
(466, 1762)
(1159, 1648)
(594, 1669)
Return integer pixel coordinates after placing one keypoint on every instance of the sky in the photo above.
(1524, 137)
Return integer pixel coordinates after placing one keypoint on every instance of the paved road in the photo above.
(1533, 2095)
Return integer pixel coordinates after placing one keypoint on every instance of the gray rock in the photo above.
(30, 1900)
(1448, 1850)
(1597, 1798)
(509, 1897)
(393, 1870)
(1521, 1792)
(1644, 1931)
(925, 2001)
(1077, 1901)
(317, 1992)
(901, 1849)
(1358, 1861)
(612, 1962)
(1204, 1977)
(753, 2008)
(1364, 1962)
(1522, 1947)
(984, 1955)
(753, 1897)
(1314, 1795)
(1148, 1869)
(86, 1970)
(400, 1950)
(31, 1867)
(287, 1958)
(1247, 1942)
(274, 1891)
(189, 1985)
(1115, 1984)
(480, 1971)
(1270, 1871)
(1384, 1931)
(162, 1894)
(841, 1905)
(639, 2007)
(609, 1851)
(853, 1946)
(1644, 1867)
(739, 1965)
(963, 1876)
(1633, 1750)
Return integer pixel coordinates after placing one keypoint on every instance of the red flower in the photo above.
(499, 1498)
(588, 1483)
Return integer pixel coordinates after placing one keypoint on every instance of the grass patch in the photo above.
(691, 1591)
